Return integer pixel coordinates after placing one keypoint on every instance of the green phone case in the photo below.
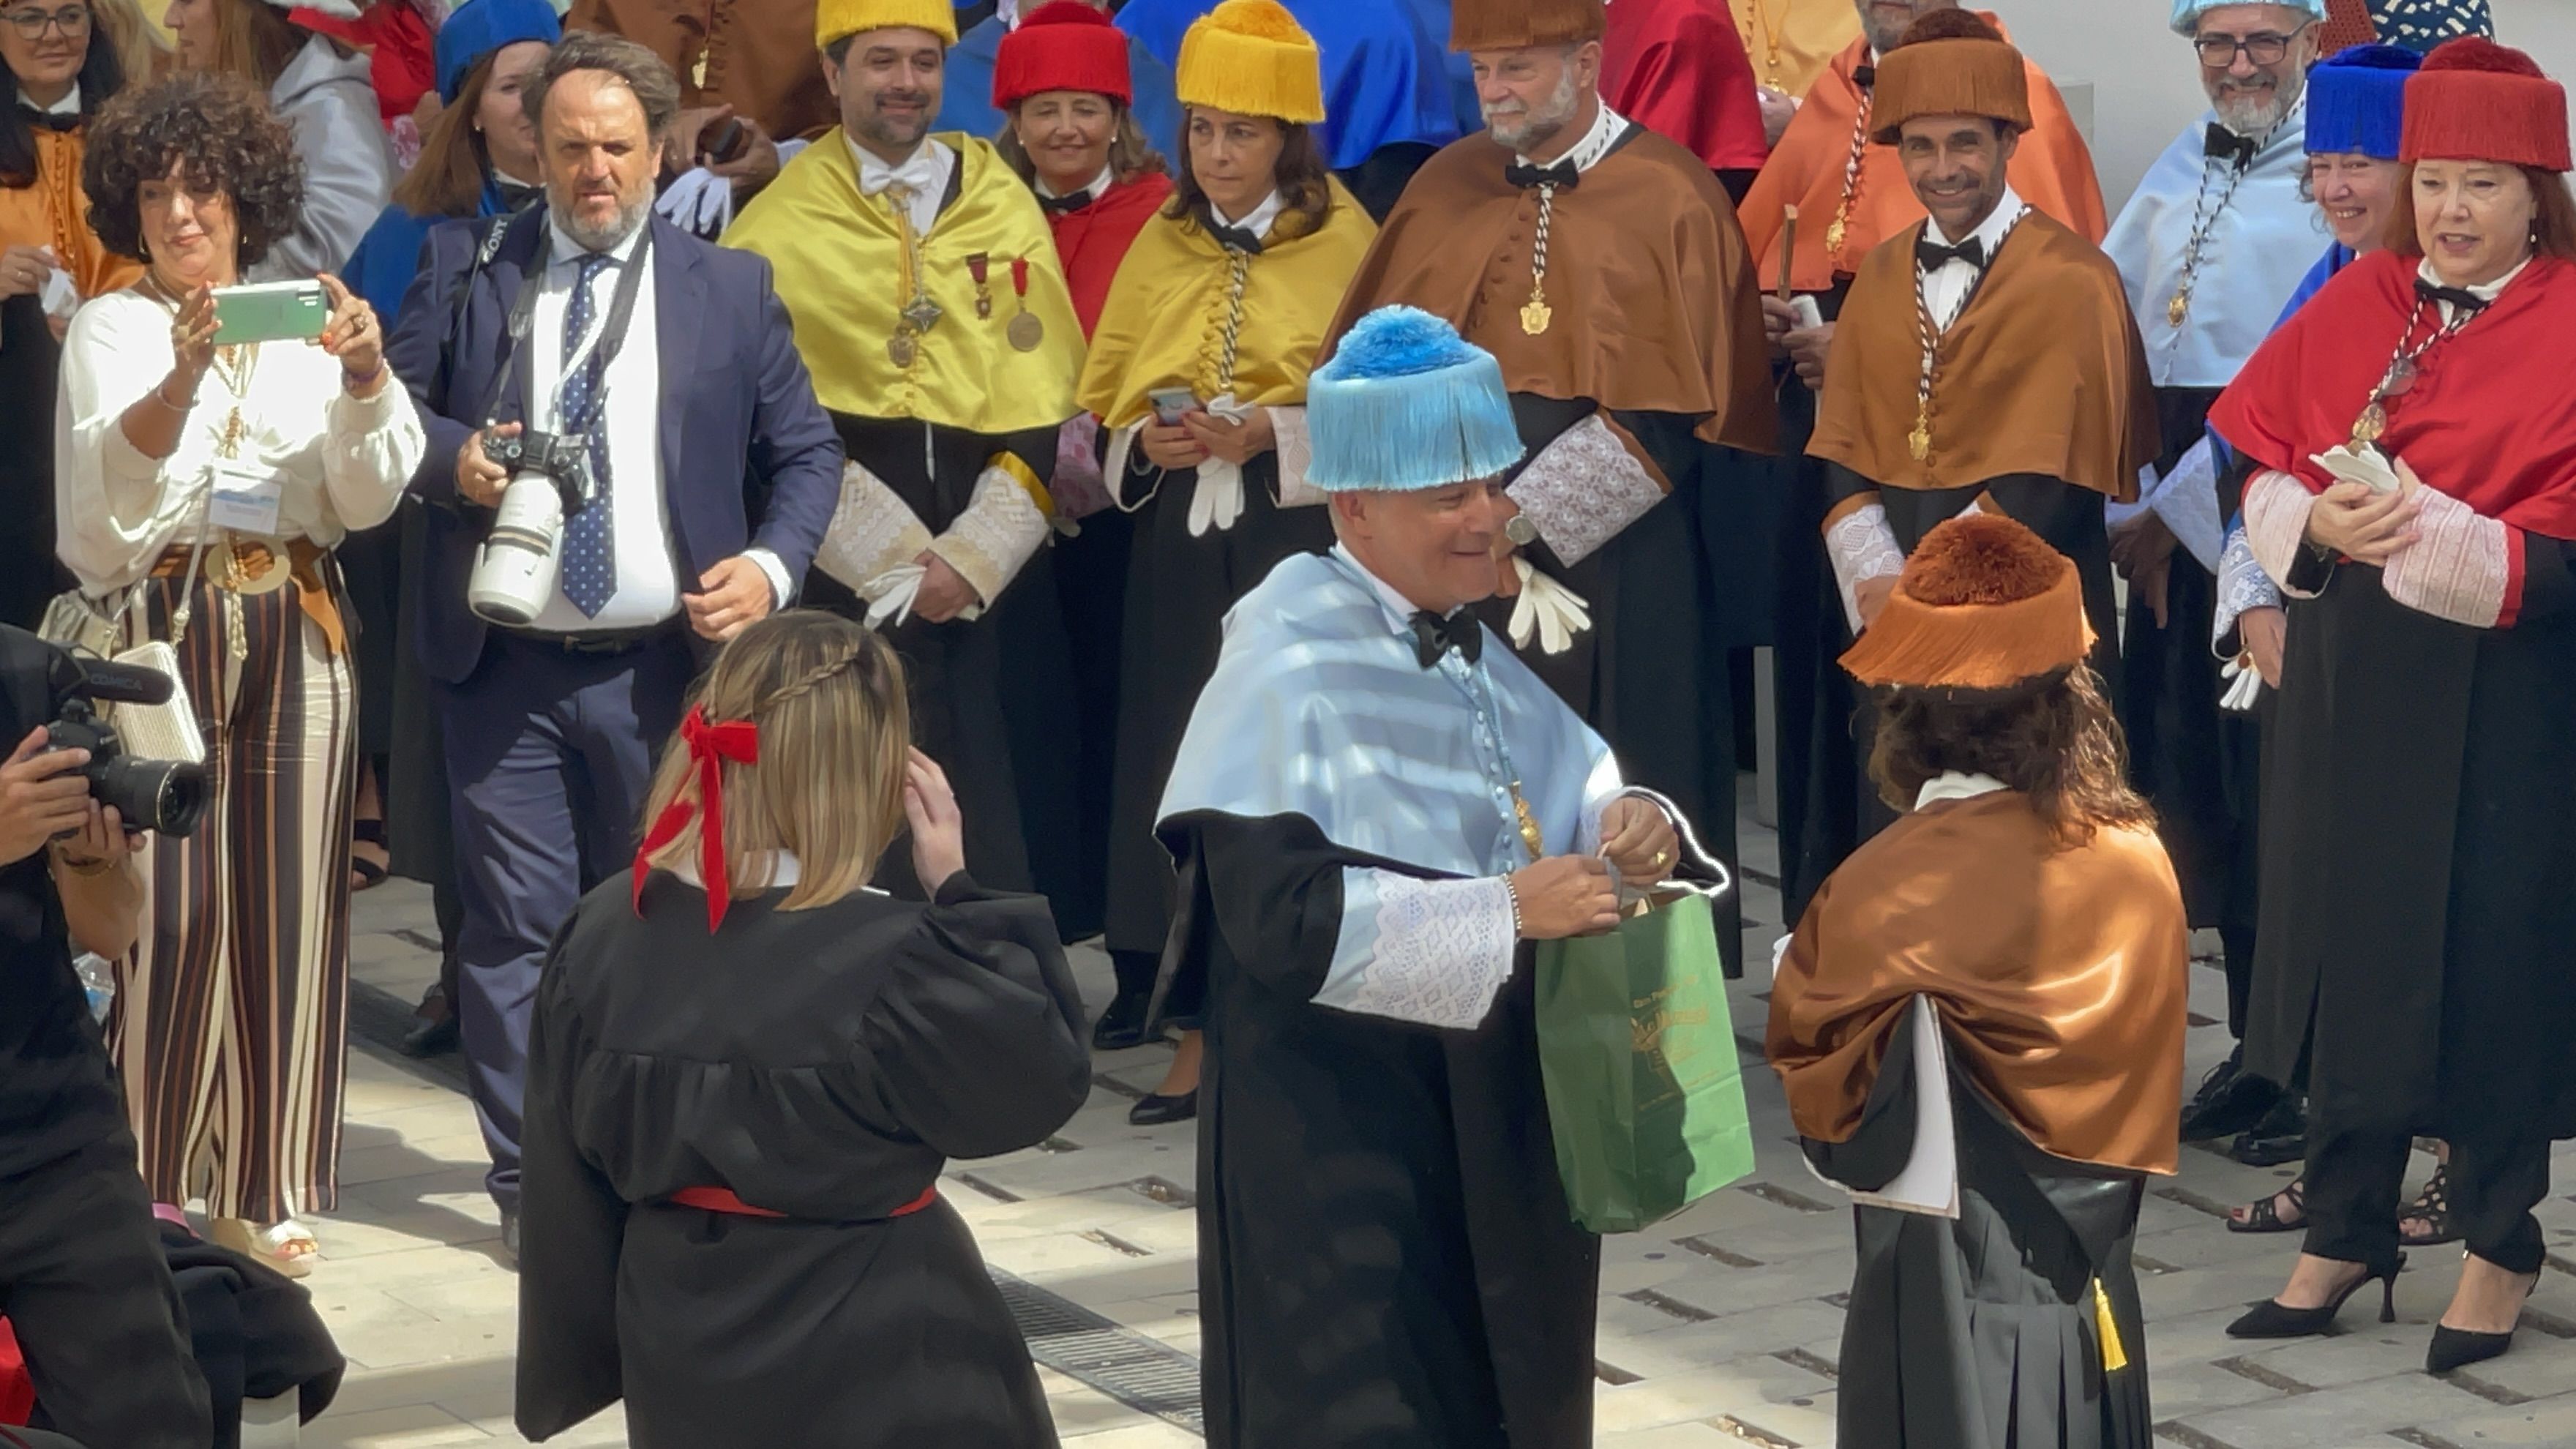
(270, 312)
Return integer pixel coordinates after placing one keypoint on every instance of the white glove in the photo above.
(1218, 500)
(698, 202)
(2245, 687)
(59, 297)
(890, 594)
(1547, 609)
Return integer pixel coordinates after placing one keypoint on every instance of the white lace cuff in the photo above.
(2458, 568)
(2242, 585)
(1861, 547)
(2276, 525)
(1433, 952)
(995, 537)
(2188, 503)
(872, 531)
(1583, 488)
(1296, 449)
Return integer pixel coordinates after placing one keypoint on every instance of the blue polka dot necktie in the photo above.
(589, 539)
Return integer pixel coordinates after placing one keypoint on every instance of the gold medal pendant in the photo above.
(1834, 232)
(1919, 441)
(1527, 818)
(903, 349)
(1025, 330)
(922, 313)
(1535, 315)
(2369, 426)
(2178, 308)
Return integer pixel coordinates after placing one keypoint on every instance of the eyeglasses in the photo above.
(71, 20)
(2219, 52)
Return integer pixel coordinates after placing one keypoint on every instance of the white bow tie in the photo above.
(917, 177)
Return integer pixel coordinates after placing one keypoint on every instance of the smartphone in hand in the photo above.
(270, 312)
(1171, 403)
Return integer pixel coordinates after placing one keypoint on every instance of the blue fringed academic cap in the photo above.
(1407, 404)
(2357, 101)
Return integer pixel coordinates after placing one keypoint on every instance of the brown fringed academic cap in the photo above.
(1511, 24)
(1951, 63)
(1982, 604)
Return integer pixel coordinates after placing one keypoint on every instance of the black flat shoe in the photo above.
(1122, 1023)
(2230, 1100)
(2457, 1348)
(432, 1037)
(2272, 1319)
(1155, 1110)
(2281, 1136)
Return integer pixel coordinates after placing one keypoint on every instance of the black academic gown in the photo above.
(1649, 675)
(2066, 517)
(29, 365)
(991, 697)
(1179, 587)
(1980, 1333)
(1386, 1259)
(2195, 762)
(1813, 706)
(2419, 834)
(824, 1064)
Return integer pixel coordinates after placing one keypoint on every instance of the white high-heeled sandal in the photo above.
(286, 1246)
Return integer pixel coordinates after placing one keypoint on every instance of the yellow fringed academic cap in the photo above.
(834, 19)
(1251, 57)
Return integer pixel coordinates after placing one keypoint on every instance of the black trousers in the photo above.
(2496, 1178)
(84, 1283)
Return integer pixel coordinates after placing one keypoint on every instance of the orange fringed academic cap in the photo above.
(1951, 63)
(1983, 604)
(1511, 24)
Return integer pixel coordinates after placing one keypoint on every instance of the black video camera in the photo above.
(166, 796)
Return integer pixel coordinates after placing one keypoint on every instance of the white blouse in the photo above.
(344, 461)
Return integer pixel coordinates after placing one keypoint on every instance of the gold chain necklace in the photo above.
(1759, 12)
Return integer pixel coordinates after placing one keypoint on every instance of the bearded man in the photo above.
(2210, 247)
(1601, 265)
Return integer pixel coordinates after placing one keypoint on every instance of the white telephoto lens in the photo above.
(515, 574)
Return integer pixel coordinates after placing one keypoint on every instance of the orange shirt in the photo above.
(55, 213)
(2053, 171)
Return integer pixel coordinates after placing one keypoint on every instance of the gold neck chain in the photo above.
(1758, 13)
(1841, 225)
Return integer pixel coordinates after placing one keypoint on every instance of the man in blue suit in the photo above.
(679, 381)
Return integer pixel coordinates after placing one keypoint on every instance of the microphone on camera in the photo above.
(121, 683)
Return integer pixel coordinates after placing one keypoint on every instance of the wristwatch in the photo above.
(1520, 530)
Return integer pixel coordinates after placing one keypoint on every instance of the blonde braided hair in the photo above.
(835, 727)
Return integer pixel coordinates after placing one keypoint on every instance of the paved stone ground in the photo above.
(1718, 1328)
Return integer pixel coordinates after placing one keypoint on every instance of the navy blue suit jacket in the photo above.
(736, 405)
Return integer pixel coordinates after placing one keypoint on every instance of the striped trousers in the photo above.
(230, 1026)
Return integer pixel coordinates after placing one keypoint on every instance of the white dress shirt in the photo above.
(1099, 187)
(1258, 221)
(1607, 127)
(926, 173)
(1945, 291)
(2484, 292)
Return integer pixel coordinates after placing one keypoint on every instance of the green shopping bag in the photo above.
(1638, 1052)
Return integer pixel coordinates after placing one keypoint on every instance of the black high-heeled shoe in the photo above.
(2457, 1348)
(2271, 1318)
(1158, 1109)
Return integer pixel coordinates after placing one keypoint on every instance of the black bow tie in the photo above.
(1864, 76)
(51, 120)
(1562, 175)
(1074, 202)
(516, 196)
(1236, 238)
(1931, 256)
(2460, 297)
(2222, 143)
(1434, 636)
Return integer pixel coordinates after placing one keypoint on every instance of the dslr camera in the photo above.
(549, 482)
(168, 797)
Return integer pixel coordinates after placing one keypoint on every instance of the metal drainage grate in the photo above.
(1145, 1375)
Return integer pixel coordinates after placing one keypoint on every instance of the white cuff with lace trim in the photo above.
(2242, 586)
(1583, 488)
(872, 531)
(1296, 449)
(1861, 546)
(995, 537)
(1433, 952)
(2458, 568)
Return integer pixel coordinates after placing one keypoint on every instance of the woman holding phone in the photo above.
(1198, 371)
(200, 489)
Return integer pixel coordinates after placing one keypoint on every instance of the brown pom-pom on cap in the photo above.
(1983, 604)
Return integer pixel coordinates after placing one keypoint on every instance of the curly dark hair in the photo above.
(2052, 738)
(222, 132)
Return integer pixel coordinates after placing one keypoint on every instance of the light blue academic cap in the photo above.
(2187, 13)
(1407, 404)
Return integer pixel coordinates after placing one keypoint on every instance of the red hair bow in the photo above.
(708, 745)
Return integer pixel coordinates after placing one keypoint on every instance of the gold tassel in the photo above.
(2114, 1358)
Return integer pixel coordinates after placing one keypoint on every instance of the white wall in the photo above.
(2137, 81)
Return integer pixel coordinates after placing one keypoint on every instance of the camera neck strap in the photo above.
(605, 336)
